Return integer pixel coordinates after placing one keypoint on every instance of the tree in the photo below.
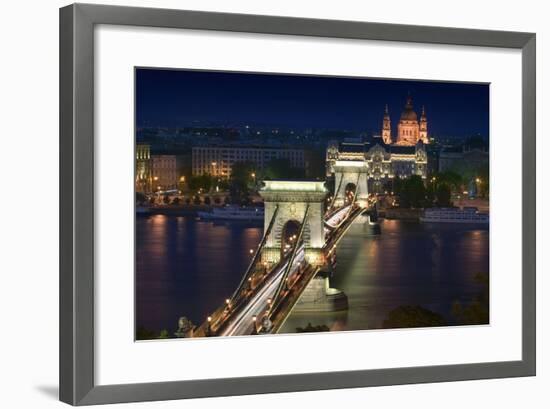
(140, 198)
(204, 182)
(164, 334)
(143, 333)
(483, 176)
(411, 191)
(282, 169)
(311, 328)
(477, 311)
(443, 195)
(240, 180)
(407, 316)
(223, 184)
(450, 178)
(316, 167)
(430, 195)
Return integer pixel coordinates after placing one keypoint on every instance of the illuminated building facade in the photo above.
(219, 160)
(164, 172)
(409, 129)
(143, 168)
(385, 158)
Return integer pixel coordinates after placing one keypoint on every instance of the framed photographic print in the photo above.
(244, 196)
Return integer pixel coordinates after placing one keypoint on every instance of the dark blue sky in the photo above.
(176, 97)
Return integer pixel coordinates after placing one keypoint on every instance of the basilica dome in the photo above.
(408, 113)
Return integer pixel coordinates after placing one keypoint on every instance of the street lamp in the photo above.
(254, 329)
(253, 176)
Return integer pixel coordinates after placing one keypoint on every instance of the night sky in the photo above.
(177, 97)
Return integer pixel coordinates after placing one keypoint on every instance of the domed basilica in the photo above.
(385, 156)
(409, 130)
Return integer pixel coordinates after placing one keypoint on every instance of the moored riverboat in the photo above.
(454, 215)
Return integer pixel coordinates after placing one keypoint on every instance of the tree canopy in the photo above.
(409, 316)
(477, 311)
(411, 191)
(204, 182)
(241, 180)
(282, 169)
(443, 195)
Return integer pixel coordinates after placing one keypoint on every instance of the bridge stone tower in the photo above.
(292, 199)
(351, 172)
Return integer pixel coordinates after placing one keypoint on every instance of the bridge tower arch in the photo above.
(350, 172)
(291, 199)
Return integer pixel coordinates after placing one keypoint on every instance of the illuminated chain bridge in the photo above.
(299, 240)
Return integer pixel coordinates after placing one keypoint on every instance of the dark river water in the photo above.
(187, 268)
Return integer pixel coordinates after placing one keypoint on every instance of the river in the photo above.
(186, 267)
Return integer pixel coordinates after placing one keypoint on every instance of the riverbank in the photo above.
(171, 210)
(402, 214)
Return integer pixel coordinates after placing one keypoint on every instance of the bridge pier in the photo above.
(315, 257)
(318, 296)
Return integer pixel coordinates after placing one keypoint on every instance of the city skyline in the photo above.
(296, 226)
(175, 98)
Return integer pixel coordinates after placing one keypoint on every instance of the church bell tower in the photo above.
(386, 127)
(423, 126)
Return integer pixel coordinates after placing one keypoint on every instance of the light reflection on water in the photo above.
(408, 264)
(188, 267)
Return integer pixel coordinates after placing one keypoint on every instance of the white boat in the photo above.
(454, 215)
(233, 213)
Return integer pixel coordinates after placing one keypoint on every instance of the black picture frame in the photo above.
(77, 21)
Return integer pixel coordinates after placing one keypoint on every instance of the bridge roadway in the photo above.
(238, 319)
(243, 322)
